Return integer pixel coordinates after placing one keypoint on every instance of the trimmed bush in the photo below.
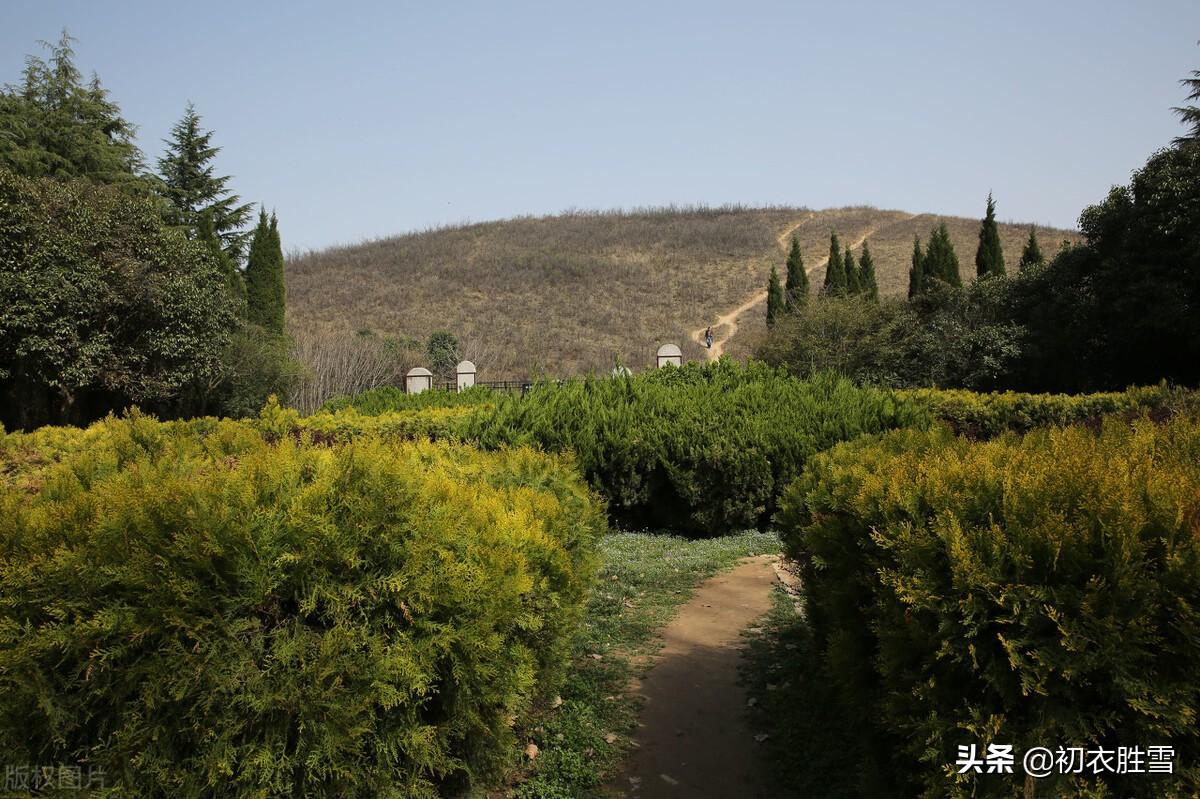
(391, 398)
(700, 450)
(203, 613)
(986, 415)
(1036, 591)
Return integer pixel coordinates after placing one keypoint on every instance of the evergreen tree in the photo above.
(265, 296)
(853, 284)
(54, 125)
(796, 295)
(989, 258)
(866, 271)
(233, 278)
(916, 275)
(835, 275)
(1032, 254)
(193, 189)
(1190, 114)
(941, 262)
(775, 298)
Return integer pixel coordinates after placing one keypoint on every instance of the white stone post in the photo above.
(417, 380)
(466, 375)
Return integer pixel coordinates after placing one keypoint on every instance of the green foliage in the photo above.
(776, 301)
(54, 125)
(796, 287)
(703, 449)
(989, 257)
(916, 274)
(392, 398)
(940, 262)
(255, 365)
(835, 273)
(1190, 114)
(1034, 591)
(866, 271)
(1032, 254)
(193, 189)
(101, 306)
(202, 613)
(265, 293)
(444, 353)
(853, 280)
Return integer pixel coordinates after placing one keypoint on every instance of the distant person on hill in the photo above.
(708, 337)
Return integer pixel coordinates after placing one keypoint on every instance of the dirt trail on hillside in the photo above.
(694, 739)
(729, 320)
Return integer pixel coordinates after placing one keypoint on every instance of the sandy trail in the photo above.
(728, 323)
(694, 739)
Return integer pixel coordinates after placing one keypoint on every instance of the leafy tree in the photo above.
(444, 353)
(265, 293)
(54, 125)
(101, 306)
(835, 275)
(796, 288)
(1032, 254)
(989, 257)
(941, 262)
(194, 190)
(916, 274)
(776, 303)
(866, 271)
(853, 283)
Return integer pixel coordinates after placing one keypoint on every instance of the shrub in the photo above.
(1036, 591)
(986, 415)
(203, 613)
(700, 450)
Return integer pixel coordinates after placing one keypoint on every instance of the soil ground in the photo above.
(694, 738)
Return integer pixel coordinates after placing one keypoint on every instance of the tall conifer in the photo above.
(796, 289)
(775, 299)
(265, 297)
(989, 257)
(835, 275)
(853, 284)
(941, 261)
(1032, 254)
(866, 271)
(916, 274)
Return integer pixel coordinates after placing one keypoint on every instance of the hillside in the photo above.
(571, 293)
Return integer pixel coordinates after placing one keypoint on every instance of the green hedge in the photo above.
(392, 398)
(203, 613)
(700, 450)
(985, 415)
(1037, 591)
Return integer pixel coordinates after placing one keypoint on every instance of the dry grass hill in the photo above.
(575, 292)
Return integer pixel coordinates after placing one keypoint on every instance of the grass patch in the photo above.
(644, 578)
(811, 748)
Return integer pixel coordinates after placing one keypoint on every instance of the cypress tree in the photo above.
(916, 275)
(835, 275)
(853, 284)
(775, 298)
(1032, 254)
(989, 257)
(797, 279)
(866, 271)
(941, 261)
(193, 189)
(264, 276)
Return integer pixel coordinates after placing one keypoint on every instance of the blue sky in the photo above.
(360, 120)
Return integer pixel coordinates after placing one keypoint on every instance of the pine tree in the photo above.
(866, 271)
(775, 298)
(835, 275)
(233, 278)
(265, 296)
(54, 125)
(1032, 254)
(1190, 114)
(916, 275)
(853, 284)
(989, 257)
(193, 189)
(941, 262)
(796, 294)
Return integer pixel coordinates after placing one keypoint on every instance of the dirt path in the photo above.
(729, 321)
(694, 740)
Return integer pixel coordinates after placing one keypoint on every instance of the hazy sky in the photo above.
(359, 120)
